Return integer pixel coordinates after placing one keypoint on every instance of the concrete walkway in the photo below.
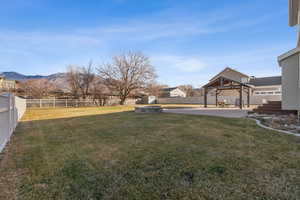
(219, 112)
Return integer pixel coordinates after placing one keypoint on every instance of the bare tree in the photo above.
(127, 73)
(37, 88)
(80, 80)
(155, 89)
(73, 79)
(88, 77)
(99, 91)
(188, 89)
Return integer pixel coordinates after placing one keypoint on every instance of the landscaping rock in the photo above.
(281, 122)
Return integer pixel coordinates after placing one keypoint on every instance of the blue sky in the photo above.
(187, 41)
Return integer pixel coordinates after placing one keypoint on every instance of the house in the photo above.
(290, 65)
(7, 85)
(234, 87)
(290, 69)
(266, 85)
(172, 92)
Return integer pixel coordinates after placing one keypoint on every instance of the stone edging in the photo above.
(273, 129)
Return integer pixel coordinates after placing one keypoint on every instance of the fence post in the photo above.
(54, 102)
(13, 111)
(11, 108)
(9, 111)
(40, 103)
(66, 103)
(9, 115)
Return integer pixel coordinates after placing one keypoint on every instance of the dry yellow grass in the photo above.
(55, 113)
(109, 153)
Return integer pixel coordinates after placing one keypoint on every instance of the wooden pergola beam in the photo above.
(223, 83)
(216, 98)
(224, 88)
(248, 98)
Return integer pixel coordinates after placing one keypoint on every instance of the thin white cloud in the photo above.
(171, 24)
(179, 63)
(44, 53)
(43, 50)
(198, 69)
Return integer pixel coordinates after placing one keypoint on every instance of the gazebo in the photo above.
(223, 83)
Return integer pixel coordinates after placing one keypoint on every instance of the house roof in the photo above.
(266, 81)
(228, 68)
(216, 83)
(197, 89)
(169, 89)
(287, 54)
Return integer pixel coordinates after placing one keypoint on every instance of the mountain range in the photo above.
(21, 77)
(58, 79)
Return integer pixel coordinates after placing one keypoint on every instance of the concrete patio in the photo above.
(219, 112)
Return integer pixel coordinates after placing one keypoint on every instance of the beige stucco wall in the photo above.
(7, 84)
(211, 100)
(290, 82)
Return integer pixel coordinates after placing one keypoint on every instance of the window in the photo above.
(267, 93)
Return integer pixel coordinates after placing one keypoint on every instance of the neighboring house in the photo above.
(172, 92)
(266, 85)
(263, 89)
(7, 85)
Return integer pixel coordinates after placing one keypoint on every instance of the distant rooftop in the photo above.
(168, 89)
(265, 81)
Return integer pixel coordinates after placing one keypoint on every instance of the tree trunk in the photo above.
(122, 100)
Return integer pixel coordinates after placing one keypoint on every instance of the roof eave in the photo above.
(287, 54)
(216, 76)
(211, 82)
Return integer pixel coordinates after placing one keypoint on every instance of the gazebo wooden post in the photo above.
(216, 97)
(223, 83)
(248, 98)
(205, 97)
(241, 96)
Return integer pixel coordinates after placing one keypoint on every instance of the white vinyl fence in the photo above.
(53, 103)
(12, 109)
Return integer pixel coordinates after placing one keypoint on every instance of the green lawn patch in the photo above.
(114, 153)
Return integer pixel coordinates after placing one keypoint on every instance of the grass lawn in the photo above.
(113, 153)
